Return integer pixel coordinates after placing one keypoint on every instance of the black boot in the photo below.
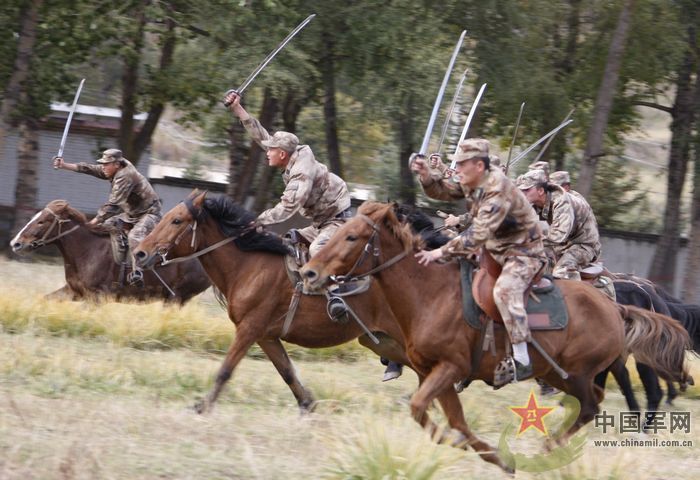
(393, 370)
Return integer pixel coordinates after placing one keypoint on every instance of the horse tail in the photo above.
(657, 340)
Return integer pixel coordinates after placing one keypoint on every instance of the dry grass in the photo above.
(91, 406)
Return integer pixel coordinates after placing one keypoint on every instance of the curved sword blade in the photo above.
(469, 121)
(271, 55)
(455, 97)
(515, 134)
(531, 147)
(546, 145)
(70, 118)
(441, 92)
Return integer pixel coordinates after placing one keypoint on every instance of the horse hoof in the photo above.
(307, 408)
(200, 407)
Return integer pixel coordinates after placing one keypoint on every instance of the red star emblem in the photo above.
(532, 415)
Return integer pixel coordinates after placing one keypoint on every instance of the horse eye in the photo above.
(177, 221)
(351, 238)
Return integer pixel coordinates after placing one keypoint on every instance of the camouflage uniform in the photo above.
(507, 227)
(540, 165)
(573, 241)
(132, 199)
(310, 189)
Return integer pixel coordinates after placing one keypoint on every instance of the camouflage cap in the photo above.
(495, 160)
(541, 165)
(111, 155)
(471, 148)
(531, 179)
(560, 178)
(284, 140)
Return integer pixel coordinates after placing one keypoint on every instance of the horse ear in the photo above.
(198, 200)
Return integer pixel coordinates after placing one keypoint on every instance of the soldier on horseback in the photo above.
(506, 226)
(132, 201)
(572, 241)
(310, 188)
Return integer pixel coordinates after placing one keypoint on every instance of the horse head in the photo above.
(175, 235)
(361, 247)
(47, 226)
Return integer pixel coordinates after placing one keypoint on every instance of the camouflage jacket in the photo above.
(441, 186)
(310, 188)
(571, 221)
(503, 222)
(132, 194)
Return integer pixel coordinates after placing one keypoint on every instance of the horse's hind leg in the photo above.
(241, 343)
(275, 351)
(622, 375)
(440, 384)
(651, 386)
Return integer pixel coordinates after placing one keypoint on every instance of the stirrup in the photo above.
(337, 310)
(135, 278)
(504, 373)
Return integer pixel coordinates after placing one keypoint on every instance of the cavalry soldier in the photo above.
(132, 201)
(505, 224)
(540, 165)
(310, 188)
(573, 241)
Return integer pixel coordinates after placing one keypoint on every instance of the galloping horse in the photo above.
(248, 268)
(440, 344)
(90, 269)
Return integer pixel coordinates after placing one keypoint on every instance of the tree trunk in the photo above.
(329, 106)
(130, 79)
(291, 108)
(663, 266)
(604, 101)
(256, 154)
(26, 187)
(143, 138)
(407, 192)
(690, 292)
(236, 154)
(20, 70)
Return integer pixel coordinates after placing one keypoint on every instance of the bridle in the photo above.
(56, 221)
(197, 215)
(371, 248)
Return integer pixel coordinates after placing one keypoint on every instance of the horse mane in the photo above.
(422, 225)
(63, 206)
(401, 231)
(233, 219)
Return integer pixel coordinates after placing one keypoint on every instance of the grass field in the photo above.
(104, 391)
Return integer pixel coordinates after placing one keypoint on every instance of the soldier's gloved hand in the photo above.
(58, 162)
(417, 163)
(257, 226)
(452, 221)
(434, 160)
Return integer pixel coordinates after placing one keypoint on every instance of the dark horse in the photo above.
(91, 272)
(440, 344)
(249, 269)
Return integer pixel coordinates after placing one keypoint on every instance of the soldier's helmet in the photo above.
(284, 140)
(541, 165)
(560, 178)
(111, 155)
(471, 148)
(531, 179)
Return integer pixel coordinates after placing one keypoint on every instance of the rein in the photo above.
(374, 250)
(193, 226)
(56, 221)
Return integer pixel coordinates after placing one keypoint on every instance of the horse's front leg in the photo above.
(438, 379)
(449, 400)
(275, 351)
(242, 342)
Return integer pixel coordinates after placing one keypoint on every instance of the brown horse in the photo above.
(249, 270)
(91, 272)
(440, 344)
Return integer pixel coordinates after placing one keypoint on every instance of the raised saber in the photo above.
(468, 122)
(70, 118)
(455, 97)
(529, 149)
(269, 58)
(515, 134)
(546, 145)
(438, 100)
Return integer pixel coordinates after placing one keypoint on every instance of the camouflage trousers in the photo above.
(509, 294)
(573, 259)
(319, 236)
(141, 228)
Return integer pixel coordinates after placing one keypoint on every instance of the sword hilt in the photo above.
(233, 90)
